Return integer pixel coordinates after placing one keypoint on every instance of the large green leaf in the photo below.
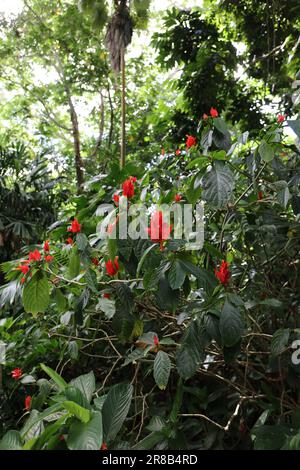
(231, 324)
(86, 436)
(11, 441)
(81, 413)
(218, 185)
(115, 409)
(266, 151)
(55, 377)
(74, 264)
(280, 341)
(36, 296)
(176, 275)
(191, 351)
(86, 384)
(162, 369)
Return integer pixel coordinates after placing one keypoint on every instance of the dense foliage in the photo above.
(178, 349)
(141, 342)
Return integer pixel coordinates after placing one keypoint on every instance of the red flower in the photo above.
(155, 340)
(106, 295)
(178, 152)
(163, 151)
(128, 187)
(75, 226)
(104, 446)
(204, 117)
(48, 258)
(213, 112)
(112, 267)
(116, 198)
(260, 195)
(133, 179)
(16, 373)
(177, 197)
(35, 255)
(46, 246)
(159, 230)
(223, 274)
(95, 261)
(24, 269)
(69, 241)
(27, 402)
(23, 279)
(190, 141)
(280, 118)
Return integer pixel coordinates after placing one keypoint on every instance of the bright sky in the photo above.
(14, 6)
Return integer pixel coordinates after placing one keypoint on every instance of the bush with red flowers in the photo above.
(148, 343)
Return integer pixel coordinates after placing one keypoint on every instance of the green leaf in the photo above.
(162, 369)
(191, 351)
(55, 377)
(86, 384)
(176, 275)
(86, 436)
(11, 441)
(231, 324)
(82, 241)
(36, 296)
(266, 151)
(115, 409)
(166, 298)
(148, 442)
(280, 341)
(74, 394)
(74, 264)
(141, 262)
(60, 300)
(218, 185)
(268, 437)
(81, 413)
(107, 306)
(295, 126)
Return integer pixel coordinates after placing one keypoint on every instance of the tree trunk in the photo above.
(123, 111)
(77, 148)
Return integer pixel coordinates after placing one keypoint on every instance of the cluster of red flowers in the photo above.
(280, 118)
(177, 197)
(213, 112)
(112, 266)
(191, 141)
(17, 374)
(75, 226)
(159, 230)
(128, 189)
(223, 273)
(34, 256)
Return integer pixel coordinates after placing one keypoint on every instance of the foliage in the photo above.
(208, 356)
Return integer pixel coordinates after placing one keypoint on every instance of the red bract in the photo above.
(27, 402)
(128, 187)
(104, 446)
(116, 198)
(190, 141)
(177, 197)
(46, 246)
(16, 373)
(24, 269)
(260, 195)
(95, 261)
(213, 112)
(69, 241)
(23, 279)
(155, 340)
(75, 226)
(112, 267)
(280, 118)
(204, 117)
(223, 274)
(163, 152)
(178, 152)
(106, 295)
(35, 255)
(48, 258)
(159, 230)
